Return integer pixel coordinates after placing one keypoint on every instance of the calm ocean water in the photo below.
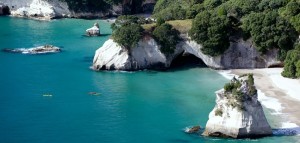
(145, 106)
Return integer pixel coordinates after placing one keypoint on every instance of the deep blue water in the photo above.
(144, 106)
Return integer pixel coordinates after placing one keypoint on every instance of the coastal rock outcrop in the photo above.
(147, 55)
(36, 50)
(93, 31)
(40, 9)
(238, 113)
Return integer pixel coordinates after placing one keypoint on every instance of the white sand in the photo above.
(276, 93)
(290, 86)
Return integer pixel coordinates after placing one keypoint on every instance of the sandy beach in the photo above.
(278, 94)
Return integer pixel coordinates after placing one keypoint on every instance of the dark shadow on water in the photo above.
(96, 36)
(88, 59)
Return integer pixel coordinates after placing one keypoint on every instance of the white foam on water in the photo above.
(289, 125)
(270, 102)
(227, 74)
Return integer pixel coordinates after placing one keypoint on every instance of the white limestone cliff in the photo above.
(93, 31)
(147, 55)
(39, 9)
(238, 113)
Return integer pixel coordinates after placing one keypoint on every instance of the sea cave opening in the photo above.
(6, 10)
(186, 61)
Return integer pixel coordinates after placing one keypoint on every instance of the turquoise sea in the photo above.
(133, 107)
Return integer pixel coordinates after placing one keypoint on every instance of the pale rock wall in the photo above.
(193, 48)
(43, 9)
(243, 54)
(249, 122)
(146, 55)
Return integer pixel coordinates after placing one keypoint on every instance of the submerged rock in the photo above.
(238, 113)
(94, 31)
(194, 129)
(36, 50)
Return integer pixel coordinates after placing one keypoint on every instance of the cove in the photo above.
(144, 106)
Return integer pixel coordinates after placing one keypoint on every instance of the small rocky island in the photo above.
(93, 31)
(36, 50)
(238, 113)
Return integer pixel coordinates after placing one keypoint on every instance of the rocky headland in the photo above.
(147, 55)
(52, 9)
(238, 113)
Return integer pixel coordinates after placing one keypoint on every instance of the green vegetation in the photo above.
(127, 31)
(183, 26)
(212, 31)
(219, 112)
(291, 12)
(268, 30)
(292, 64)
(236, 95)
(132, 7)
(170, 9)
(167, 37)
(232, 86)
(271, 24)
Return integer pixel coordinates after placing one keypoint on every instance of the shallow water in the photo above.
(144, 106)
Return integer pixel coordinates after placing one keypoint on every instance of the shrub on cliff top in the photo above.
(128, 35)
(167, 37)
(212, 31)
(127, 30)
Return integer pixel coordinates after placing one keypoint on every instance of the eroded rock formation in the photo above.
(147, 55)
(238, 113)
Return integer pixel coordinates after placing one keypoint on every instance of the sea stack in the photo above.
(238, 113)
(94, 31)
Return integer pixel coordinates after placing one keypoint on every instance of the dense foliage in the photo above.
(292, 64)
(292, 13)
(212, 31)
(174, 9)
(127, 31)
(167, 37)
(270, 24)
(129, 7)
(268, 30)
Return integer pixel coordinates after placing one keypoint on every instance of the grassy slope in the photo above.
(183, 26)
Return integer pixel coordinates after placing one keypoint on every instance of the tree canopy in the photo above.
(167, 37)
(127, 31)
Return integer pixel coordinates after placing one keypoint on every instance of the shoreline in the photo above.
(276, 93)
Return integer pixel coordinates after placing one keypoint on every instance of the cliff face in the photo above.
(147, 55)
(49, 9)
(238, 113)
(41, 9)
